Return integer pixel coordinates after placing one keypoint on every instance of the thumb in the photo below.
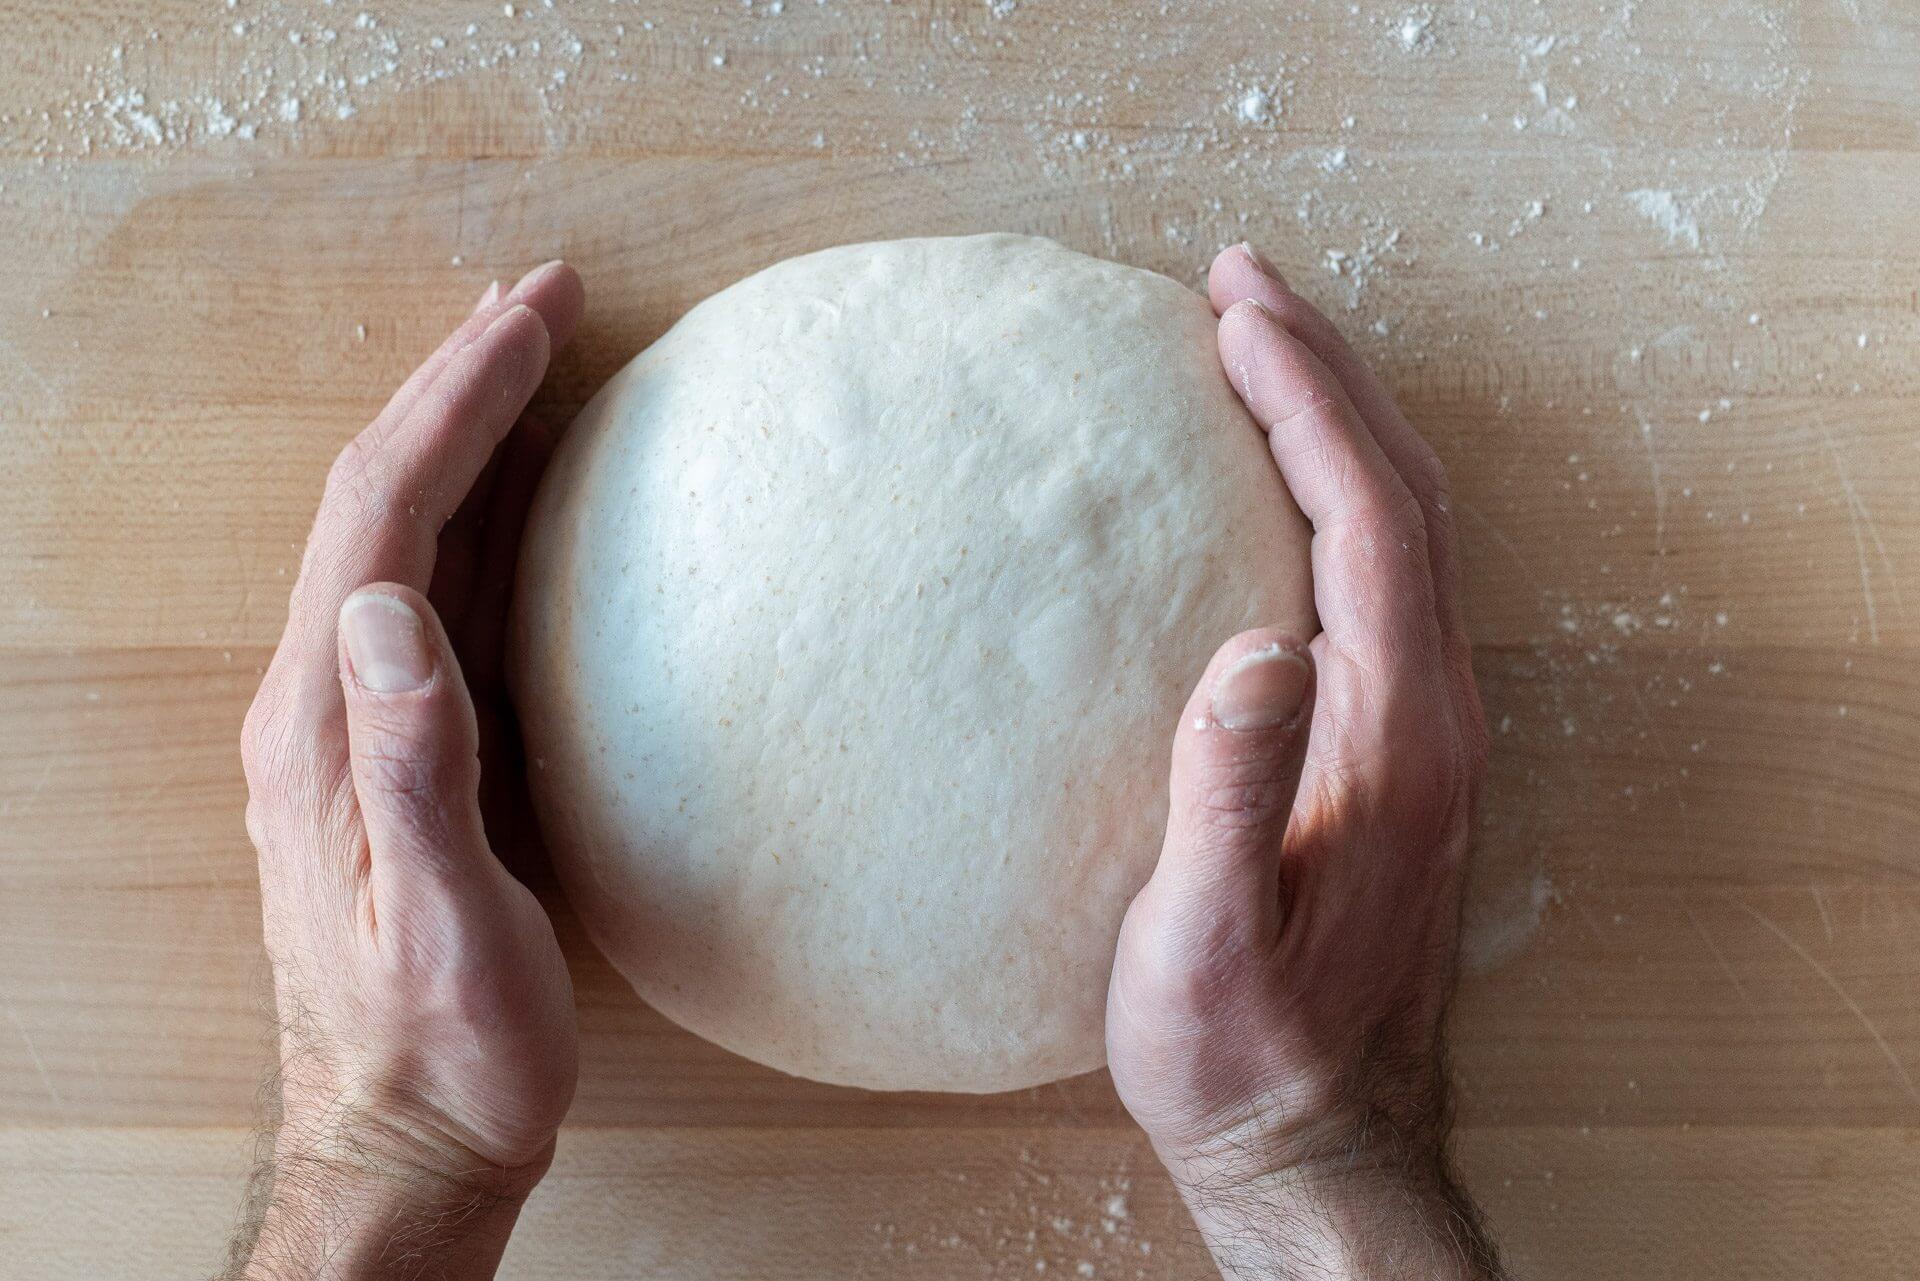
(412, 735)
(1237, 758)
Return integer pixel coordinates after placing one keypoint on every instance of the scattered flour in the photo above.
(1255, 106)
(1414, 30)
(1039, 1220)
(1669, 213)
(1501, 921)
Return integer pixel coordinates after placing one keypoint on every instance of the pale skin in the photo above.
(1275, 1012)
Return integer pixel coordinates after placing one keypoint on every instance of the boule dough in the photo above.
(853, 622)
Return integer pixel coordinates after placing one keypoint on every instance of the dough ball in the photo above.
(853, 622)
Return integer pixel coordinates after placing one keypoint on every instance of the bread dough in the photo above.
(853, 621)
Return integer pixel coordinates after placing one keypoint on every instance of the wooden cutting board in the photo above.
(1646, 274)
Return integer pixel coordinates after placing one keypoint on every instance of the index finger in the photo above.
(1371, 583)
(395, 485)
(402, 478)
(1240, 273)
(553, 289)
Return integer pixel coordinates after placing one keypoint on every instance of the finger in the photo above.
(1237, 758)
(385, 501)
(1242, 273)
(391, 491)
(454, 562)
(553, 290)
(1371, 582)
(413, 740)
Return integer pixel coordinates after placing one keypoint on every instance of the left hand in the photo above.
(428, 1039)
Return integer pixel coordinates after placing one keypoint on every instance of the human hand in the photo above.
(1274, 1020)
(428, 1042)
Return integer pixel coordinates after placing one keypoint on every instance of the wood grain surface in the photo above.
(1646, 274)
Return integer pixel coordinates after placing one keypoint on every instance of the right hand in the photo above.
(1274, 1021)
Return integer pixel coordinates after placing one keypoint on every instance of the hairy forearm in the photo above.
(1353, 1224)
(359, 1233)
(349, 1210)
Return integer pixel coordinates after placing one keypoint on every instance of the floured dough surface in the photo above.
(853, 622)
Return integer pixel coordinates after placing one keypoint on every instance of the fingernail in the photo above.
(487, 299)
(1257, 307)
(533, 277)
(1262, 263)
(385, 643)
(518, 309)
(1261, 690)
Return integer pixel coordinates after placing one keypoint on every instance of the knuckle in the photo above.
(407, 787)
(1193, 961)
(407, 773)
(265, 754)
(284, 776)
(363, 486)
(1427, 477)
(1399, 513)
(1379, 505)
(1247, 795)
(1428, 798)
(1211, 971)
(262, 824)
(1384, 534)
(1401, 767)
(398, 776)
(351, 468)
(1240, 805)
(255, 735)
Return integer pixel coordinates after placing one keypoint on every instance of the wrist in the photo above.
(1362, 1215)
(367, 1200)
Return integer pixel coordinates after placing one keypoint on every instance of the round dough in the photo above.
(853, 621)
